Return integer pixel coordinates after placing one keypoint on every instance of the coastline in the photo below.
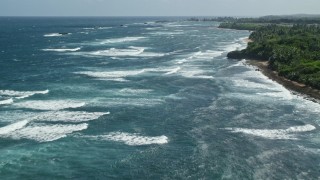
(302, 89)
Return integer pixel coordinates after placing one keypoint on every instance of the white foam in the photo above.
(63, 50)
(207, 54)
(131, 91)
(52, 35)
(7, 101)
(112, 75)
(304, 128)
(21, 94)
(45, 133)
(181, 61)
(275, 133)
(132, 139)
(13, 127)
(252, 79)
(55, 34)
(119, 52)
(173, 71)
(161, 33)
(152, 28)
(49, 104)
(286, 95)
(104, 27)
(175, 25)
(121, 40)
(132, 51)
(119, 102)
(195, 73)
(10, 115)
(234, 46)
(254, 85)
(68, 116)
(200, 55)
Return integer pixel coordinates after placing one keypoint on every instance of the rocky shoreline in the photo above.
(306, 91)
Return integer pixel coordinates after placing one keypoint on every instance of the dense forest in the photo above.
(290, 19)
(293, 50)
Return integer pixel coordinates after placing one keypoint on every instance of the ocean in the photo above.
(145, 98)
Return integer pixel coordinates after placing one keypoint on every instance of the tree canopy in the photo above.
(292, 50)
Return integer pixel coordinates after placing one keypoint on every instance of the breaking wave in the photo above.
(7, 101)
(13, 127)
(21, 94)
(121, 40)
(274, 133)
(39, 132)
(112, 75)
(55, 34)
(132, 139)
(49, 104)
(133, 51)
(63, 50)
(68, 116)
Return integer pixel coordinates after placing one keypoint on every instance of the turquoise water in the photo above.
(144, 98)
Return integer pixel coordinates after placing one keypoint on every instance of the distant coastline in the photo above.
(285, 50)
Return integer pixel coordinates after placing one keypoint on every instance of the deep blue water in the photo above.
(144, 98)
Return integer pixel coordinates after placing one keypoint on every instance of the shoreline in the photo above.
(296, 88)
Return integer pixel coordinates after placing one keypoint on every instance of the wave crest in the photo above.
(132, 139)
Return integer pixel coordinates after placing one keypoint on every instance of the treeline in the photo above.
(241, 26)
(293, 51)
(265, 19)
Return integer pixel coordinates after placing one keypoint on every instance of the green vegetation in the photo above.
(292, 50)
(290, 19)
(241, 26)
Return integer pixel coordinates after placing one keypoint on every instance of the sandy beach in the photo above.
(309, 92)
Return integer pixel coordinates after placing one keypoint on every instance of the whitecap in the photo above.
(44, 133)
(275, 133)
(181, 61)
(200, 55)
(173, 71)
(49, 104)
(236, 45)
(7, 101)
(132, 139)
(161, 33)
(55, 34)
(120, 102)
(119, 52)
(252, 79)
(132, 51)
(152, 28)
(130, 91)
(121, 40)
(104, 27)
(63, 50)
(209, 54)
(52, 35)
(68, 116)
(112, 75)
(13, 127)
(196, 74)
(21, 94)
(286, 95)
(254, 85)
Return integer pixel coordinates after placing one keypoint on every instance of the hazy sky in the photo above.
(157, 7)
